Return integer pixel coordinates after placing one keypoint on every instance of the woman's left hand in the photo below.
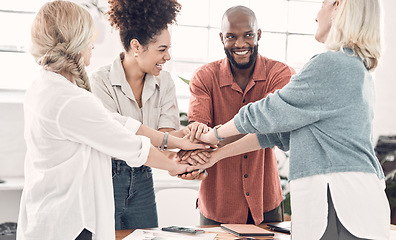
(185, 144)
(209, 137)
(195, 129)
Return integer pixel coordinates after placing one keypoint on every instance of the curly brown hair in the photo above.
(141, 19)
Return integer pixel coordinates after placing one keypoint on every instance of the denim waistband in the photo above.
(122, 164)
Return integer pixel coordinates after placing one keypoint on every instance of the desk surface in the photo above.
(120, 234)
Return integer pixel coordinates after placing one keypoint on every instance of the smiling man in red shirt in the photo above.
(244, 188)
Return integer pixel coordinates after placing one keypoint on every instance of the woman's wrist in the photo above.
(217, 154)
(216, 133)
(164, 144)
(172, 142)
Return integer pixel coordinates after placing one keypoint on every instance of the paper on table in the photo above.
(141, 234)
(393, 234)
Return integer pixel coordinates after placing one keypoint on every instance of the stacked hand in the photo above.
(199, 159)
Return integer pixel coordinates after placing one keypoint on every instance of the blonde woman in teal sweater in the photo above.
(324, 117)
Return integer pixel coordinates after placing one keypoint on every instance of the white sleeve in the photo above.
(84, 119)
(131, 124)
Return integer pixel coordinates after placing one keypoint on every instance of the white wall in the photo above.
(385, 122)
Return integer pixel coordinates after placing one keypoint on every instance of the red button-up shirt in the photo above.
(245, 181)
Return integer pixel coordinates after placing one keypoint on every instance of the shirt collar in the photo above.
(117, 77)
(259, 72)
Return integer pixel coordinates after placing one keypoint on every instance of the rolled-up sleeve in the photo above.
(201, 102)
(169, 115)
(281, 140)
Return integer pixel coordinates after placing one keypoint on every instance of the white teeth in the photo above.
(241, 53)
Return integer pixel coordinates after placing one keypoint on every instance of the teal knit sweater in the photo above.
(323, 116)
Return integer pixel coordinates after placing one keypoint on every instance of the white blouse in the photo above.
(359, 200)
(70, 137)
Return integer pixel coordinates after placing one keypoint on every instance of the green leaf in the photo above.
(185, 80)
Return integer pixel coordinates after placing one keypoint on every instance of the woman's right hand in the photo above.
(178, 168)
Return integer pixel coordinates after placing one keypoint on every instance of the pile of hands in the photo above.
(197, 160)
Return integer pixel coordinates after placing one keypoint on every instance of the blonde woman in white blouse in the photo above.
(70, 136)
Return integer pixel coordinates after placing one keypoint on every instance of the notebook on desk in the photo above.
(246, 230)
(284, 227)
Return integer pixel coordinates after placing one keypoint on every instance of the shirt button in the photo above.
(245, 175)
(245, 156)
(247, 194)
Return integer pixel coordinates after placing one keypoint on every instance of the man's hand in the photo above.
(194, 157)
(197, 174)
(215, 156)
(195, 129)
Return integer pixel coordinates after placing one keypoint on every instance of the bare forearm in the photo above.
(155, 136)
(223, 132)
(227, 130)
(230, 140)
(246, 144)
(177, 133)
(158, 160)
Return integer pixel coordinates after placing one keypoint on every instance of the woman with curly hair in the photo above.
(134, 85)
(71, 137)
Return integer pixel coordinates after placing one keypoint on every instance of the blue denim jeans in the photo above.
(134, 197)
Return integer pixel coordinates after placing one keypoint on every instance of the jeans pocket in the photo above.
(114, 173)
(149, 172)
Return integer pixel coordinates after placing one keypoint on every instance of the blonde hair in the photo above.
(60, 30)
(358, 25)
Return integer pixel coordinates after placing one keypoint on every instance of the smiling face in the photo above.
(153, 56)
(324, 19)
(240, 37)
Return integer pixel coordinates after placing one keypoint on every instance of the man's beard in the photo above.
(252, 58)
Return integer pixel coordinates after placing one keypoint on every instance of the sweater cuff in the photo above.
(238, 125)
(263, 140)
